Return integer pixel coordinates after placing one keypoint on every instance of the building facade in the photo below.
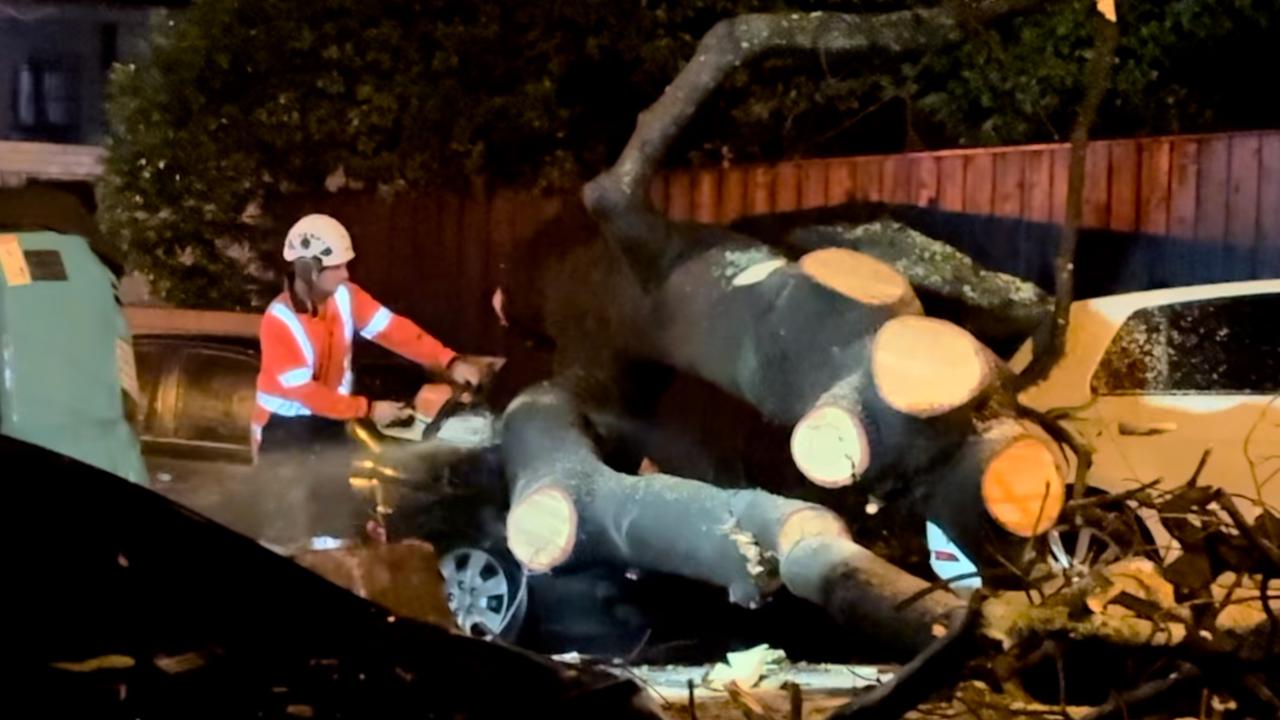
(55, 59)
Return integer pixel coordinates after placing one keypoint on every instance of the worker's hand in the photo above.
(472, 370)
(385, 412)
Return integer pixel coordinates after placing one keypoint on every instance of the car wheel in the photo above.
(1124, 534)
(486, 589)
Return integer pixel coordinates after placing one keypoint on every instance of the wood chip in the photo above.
(103, 662)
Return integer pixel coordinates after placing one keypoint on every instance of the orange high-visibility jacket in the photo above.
(306, 360)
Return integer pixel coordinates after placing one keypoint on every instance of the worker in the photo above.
(304, 390)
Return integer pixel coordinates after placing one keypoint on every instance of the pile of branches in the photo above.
(1115, 624)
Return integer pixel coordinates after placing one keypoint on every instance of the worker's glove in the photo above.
(472, 370)
(386, 412)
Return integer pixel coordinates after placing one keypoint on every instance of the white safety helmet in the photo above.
(321, 237)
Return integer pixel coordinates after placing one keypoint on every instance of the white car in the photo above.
(1153, 379)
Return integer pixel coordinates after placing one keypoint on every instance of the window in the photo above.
(1222, 345)
(46, 103)
(215, 397)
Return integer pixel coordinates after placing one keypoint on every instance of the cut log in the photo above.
(542, 528)
(568, 507)
(830, 446)
(1022, 489)
(892, 418)
(862, 278)
(925, 367)
(1004, 484)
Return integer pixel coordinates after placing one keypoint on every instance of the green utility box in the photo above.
(67, 378)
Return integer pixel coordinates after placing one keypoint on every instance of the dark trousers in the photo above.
(303, 468)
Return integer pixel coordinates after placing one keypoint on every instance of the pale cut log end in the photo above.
(757, 273)
(926, 367)
(829, 446)
(811, 522)
(1022, 489)
(542, 528)
(861, 277)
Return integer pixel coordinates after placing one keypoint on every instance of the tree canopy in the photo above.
(244, 101)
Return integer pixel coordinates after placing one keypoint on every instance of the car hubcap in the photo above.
(477, 590)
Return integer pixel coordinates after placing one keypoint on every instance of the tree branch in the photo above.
(734, 41)
(1050, 340)
(937, 667)
(1269, 551)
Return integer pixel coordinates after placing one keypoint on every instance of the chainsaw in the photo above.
(446, 418)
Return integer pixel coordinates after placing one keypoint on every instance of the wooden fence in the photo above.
(438, 258)
(1217, 188)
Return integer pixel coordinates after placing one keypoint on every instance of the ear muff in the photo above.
(307, 269)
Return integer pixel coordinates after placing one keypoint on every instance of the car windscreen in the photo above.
(1217, 346)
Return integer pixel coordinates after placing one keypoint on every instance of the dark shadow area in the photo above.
(132, 606)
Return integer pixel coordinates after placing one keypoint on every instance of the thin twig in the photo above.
(1253, 468)
(1258, 684)
(631, 656)
(1078, 447)
(1031, 539)
(640, 679)
(693, 704)
(1121, 702)
(934, 587)
(1273, 632)
(845, 125)
(1062, 677)
(1204, 459)
(1110, 497)
(1246, 530)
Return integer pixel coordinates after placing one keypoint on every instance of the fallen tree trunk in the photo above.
(568, 506)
